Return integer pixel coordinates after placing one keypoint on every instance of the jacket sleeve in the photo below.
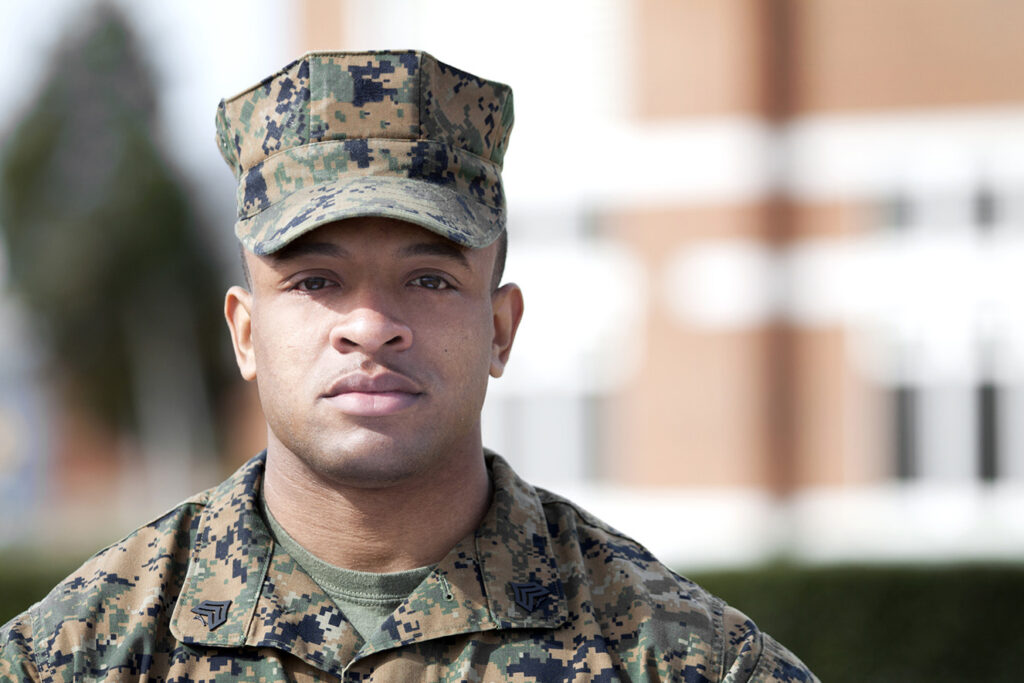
(16, 662)
(751, 656)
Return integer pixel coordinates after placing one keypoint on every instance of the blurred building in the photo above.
(770, 250)
(770, 254)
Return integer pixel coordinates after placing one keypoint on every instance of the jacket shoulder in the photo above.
(17, 662)
(654, 614)
(592, 549)
(119, 597)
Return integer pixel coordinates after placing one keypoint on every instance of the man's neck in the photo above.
(387, 529)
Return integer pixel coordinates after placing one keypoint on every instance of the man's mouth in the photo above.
(363, 395)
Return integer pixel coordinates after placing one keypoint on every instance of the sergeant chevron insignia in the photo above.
(212, 613)
(529, 595)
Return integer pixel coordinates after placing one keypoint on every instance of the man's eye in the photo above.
(431, 282)
(312, 284)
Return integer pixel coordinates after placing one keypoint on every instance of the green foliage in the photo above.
(101, 238)
(888, 624)
(27, 578)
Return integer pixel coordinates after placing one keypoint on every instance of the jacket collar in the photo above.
(228, 561)
(514, 551)
(502, 576)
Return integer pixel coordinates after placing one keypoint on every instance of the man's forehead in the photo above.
(393, 237)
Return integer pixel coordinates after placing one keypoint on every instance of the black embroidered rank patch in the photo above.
(529, 595)
(212, 613)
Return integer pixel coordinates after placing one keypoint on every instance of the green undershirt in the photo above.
(365, 598)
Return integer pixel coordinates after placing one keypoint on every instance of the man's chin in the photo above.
(374, 453)
(373, 460)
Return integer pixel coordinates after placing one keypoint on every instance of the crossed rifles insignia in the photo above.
(212, 613)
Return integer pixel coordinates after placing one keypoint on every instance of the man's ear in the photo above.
(507, 305)
(238, 312)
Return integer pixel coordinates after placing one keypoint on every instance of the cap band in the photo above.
(319, 163)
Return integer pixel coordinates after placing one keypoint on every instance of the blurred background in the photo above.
(771, 251)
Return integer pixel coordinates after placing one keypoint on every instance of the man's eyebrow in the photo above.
(307, 248)
(444, 249)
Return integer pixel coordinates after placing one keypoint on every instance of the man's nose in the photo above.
(370, 329)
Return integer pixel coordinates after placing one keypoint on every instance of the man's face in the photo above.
(371, 341)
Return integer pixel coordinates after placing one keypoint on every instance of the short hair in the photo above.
(496, 274)
(499, 260)
(246, 278)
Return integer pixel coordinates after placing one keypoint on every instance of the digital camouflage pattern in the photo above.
(541, 592)
(335, 135)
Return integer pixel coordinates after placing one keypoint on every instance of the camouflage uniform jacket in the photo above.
(541, 591)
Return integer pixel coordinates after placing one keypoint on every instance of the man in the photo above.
(375, 539)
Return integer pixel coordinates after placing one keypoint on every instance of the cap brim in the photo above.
(440, 209)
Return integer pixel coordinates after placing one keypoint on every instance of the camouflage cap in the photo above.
(336, 135)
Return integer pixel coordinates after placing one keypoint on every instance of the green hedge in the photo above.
(890, 624)
(26, 578)
(877, 624)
